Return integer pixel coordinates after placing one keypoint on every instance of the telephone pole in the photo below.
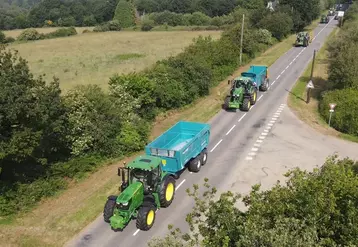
(310, 83)
(242, 37)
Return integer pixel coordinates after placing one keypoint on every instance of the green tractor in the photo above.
(145, 188)
(243, 94)
(324, 19)
(302, 39)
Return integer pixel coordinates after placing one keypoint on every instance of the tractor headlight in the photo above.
(125, 203)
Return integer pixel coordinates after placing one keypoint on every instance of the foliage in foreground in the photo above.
(318, 208)
(343, 77)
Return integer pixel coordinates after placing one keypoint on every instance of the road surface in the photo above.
(285, 142)
(232, 136)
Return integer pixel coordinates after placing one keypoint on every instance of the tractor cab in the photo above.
(145, 169)
(244, 83)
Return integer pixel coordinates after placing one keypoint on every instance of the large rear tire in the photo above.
(167, 191)
(109, 208)
(253, 98)
(145, 218)
(246, 104)
(195, 164)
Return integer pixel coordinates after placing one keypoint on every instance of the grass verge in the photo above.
(59, 218)
(309, 113)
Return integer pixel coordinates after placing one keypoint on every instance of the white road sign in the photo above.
(310, 84)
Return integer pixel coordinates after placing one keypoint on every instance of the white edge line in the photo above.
(242, 117)
(231, 129)
(217, 144)
(181, 183)
(260, 98)
(135, 233)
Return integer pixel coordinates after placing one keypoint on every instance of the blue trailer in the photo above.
(183, 145)
(259, 75)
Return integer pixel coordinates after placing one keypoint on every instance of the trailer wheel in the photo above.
(246, 104)
(204, 156)
(145, 218)
(167, 191)
(109, 208)
(195, 164)
(265, 85)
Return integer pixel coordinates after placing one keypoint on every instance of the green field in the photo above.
(91, 58)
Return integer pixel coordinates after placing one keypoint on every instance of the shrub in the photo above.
(9, 40)
(125, 13)
(147, 25)
(279, 24)
(29, 35)
(345, 116)
(108, 26)
(2, 38)
(61, 32)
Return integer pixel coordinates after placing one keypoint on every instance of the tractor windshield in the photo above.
(139, 174)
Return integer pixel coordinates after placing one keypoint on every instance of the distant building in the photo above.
(271, 5)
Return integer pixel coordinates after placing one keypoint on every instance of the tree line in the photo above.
(47, 139)
(343, 76)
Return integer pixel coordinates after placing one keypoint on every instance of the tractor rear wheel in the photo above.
(109, 208)
(145, 218)
(195, 164)
(204, 156)
(253, 97)
(167, 191)
(246, 104)
(226, 103)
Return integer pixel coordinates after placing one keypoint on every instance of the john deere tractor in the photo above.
(302, 39)
(324, 19)
(243, 94)
(145, 188)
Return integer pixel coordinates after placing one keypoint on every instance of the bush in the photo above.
(344, 118)
(2, 38)
(125, 13)
(147, 25)
(279, 24)
(108, 26)
(30, 34)
(61, 32)
(9, 40)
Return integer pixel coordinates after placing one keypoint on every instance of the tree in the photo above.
(278, 23)
(125, 13)
(32, 118)
(317, 208)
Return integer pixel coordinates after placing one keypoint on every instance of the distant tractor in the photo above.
(243, 93)
(331, 12)
(303, 39)
(324, 19)
(148, 182)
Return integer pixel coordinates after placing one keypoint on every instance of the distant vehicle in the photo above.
(324, 19)
(302, 39)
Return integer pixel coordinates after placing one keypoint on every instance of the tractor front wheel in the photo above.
(253, 98)
(246, 104)
(145, 218)
(109, 208)
(226, 103)
(167, 191)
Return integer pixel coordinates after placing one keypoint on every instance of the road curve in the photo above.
(232, 136)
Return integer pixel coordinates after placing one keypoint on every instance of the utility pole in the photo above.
(310, 83)
(242, 37)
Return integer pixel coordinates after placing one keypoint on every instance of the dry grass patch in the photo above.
(92, 58)
(58, 219)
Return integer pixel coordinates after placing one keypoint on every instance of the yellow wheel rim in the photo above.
(249, 104)
(254, 96)
(150, 217)
(169, 192)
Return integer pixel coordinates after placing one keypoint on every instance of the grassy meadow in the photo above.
(91, 58)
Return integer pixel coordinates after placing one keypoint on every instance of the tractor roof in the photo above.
(145, 162)
(243, 78)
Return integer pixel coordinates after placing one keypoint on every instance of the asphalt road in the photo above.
(232, 137)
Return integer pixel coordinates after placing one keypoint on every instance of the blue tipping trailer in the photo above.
(184, 144)
(259, 74)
